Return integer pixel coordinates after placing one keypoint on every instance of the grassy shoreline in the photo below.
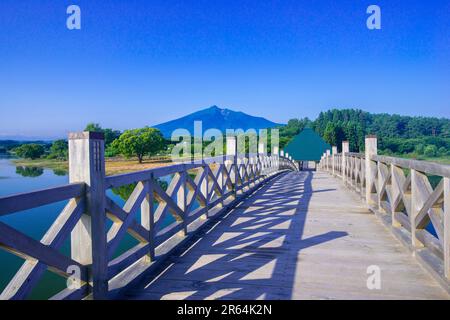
(113, 165)
(439, 160)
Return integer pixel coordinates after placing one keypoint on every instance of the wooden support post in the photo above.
(333, 160)
(370, 150)
(88, 238)
(263, 155)
(261, 146)
(275, 153)
(148, 218)
(396, 173)
(327, 163)
(416, 204)
(345, 149)
(322, 161)
(380, 182)
(232, 151)
(181, 199)
(204, 186)
(446, 219)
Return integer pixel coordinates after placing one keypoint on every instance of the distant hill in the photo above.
(215, 117)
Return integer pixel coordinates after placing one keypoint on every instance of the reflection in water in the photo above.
(60, 172)
(29, 171)
(124, 192)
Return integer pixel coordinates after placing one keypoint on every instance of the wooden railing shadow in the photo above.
(100, 262)
(410, 197)
(250, 254)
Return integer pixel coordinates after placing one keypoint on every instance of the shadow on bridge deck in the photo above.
(292, 239)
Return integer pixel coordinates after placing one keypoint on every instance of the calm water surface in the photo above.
(35, 222)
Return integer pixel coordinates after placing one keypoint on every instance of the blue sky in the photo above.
(137, 63)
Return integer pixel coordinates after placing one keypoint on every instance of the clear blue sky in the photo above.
(137, 63)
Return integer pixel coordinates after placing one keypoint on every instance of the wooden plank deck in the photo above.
(302, 236)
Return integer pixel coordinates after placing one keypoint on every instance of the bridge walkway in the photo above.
(301, 236)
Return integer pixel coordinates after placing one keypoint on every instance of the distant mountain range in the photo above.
(218, 118)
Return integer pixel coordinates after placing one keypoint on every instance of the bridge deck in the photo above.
(302, 236)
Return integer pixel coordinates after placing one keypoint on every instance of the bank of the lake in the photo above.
(113, 165)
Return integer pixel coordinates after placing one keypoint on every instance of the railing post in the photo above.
(323, 166)
(416, 203)
(275, 153)
(88, 238)
(147, 217)
(262, 154)
(333, 160)
(232, 151)
(395, 192)
(328, 160)
(446, 219)
(345, 149)
(370, 150)
(204, 186)
(181, 199)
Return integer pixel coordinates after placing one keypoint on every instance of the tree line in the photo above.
(129, 143)
(428, 136)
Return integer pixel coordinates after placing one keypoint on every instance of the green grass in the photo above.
(441, 159)
(43, 163)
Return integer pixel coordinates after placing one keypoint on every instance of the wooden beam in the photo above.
(30, 200)
(446, 219)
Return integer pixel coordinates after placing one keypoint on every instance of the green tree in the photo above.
(330, 134)
(58, 150)
(30, 151)
(110, 134)
(93, 127)
(139, 142)
(334, 134)
(430, 150)
(419, 149)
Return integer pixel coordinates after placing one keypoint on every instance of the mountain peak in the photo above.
(215, 117)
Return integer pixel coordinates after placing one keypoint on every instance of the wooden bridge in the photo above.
(243, 227)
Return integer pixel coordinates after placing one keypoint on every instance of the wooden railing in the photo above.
(159, 218)
(411, 197)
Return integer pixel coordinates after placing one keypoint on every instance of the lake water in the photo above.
(35, 222)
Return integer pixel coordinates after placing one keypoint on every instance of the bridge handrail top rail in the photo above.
(355, 154)
(28, 200)
(142, 175)
(37, 198)
(419, 165)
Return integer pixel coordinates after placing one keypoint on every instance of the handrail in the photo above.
(197, 191)
(423, 166)
(400, 192)
(28, 200)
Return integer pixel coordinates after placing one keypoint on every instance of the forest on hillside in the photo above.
(426, 136)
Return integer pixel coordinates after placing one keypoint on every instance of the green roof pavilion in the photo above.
(307, 146)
